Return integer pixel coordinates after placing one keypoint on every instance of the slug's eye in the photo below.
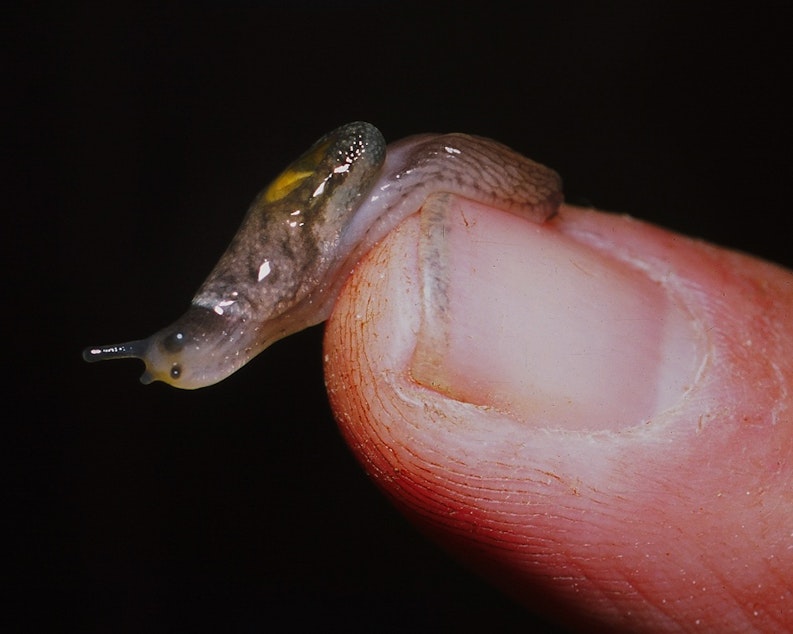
(174, 342)
(176, 371)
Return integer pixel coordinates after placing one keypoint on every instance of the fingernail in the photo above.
(523, 318)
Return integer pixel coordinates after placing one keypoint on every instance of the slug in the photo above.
(303, 234)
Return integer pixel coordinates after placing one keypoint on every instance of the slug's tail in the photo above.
(129, 350)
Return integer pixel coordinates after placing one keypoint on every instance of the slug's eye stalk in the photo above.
(128, 350)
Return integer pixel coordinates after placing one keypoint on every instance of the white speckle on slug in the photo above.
(318, 191)
(264, 270)
(221, 305)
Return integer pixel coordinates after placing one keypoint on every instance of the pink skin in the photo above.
(600, 422)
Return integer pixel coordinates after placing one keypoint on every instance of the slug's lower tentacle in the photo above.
(285, 266)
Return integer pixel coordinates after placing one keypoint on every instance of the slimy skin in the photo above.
(304, 233)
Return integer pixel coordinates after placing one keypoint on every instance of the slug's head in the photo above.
(199, 349)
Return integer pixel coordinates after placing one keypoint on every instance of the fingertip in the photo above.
(616, 524)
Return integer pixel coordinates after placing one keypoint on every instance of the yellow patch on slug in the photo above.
(291, 178)
(286, 183)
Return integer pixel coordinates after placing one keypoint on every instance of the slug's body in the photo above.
(301, 236)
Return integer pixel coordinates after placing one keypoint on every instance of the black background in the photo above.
(138, 136)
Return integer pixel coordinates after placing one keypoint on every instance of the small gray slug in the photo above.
(303, 234)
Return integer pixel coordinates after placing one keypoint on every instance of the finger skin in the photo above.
(680, 523)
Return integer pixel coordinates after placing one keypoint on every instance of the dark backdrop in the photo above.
(139, 135)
